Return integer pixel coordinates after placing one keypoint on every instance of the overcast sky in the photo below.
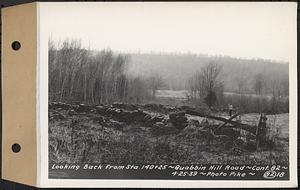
(249, 30)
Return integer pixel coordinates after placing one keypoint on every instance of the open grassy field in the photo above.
(83, 134)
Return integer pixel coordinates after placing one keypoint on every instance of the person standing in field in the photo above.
(230, 109)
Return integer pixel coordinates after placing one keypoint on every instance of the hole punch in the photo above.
(16, 148)
(16, 45)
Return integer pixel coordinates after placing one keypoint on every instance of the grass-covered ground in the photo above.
(90, 137)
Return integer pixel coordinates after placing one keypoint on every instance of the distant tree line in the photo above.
(178, 68)
(206, 86)
(80, 74)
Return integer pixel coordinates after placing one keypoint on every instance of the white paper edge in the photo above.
(43, 130)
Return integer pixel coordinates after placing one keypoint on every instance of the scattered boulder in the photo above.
(72, 112)
(146, 118)
(170, 108)
(100, 109)
(83, 108)
(159, 124)
(138, 115)
(61, 105)
(157, 119)
(99, 119)
(179, 120)
(177, 114)
(151, 120)
(129, 107)
(56, 116)
(155, 107)
(116, 124)
(194, 122)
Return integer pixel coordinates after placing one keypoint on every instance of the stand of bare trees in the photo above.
(155, 82)
(137, 91)
(78, 74)
(206, 84)
(271, 94)
(83, 75)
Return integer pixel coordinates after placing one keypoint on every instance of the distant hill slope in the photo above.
(177, 68)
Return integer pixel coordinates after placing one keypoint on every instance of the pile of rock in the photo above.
(178, 119)
(124, 113)
(128, 117)
(101, 109)
(125, 106)
(158, 108)
(99, 119)
(154, 107)
(61, 105)
(78, 108)
(55, 115)
(153, 121)
(82, 108)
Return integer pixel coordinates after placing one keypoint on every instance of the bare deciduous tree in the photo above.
(79, 74)
(206, 84)
(137, 89)
(155, 82)
(211, 73)
(258, 84)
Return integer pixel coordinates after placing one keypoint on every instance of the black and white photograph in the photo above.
(190, 91)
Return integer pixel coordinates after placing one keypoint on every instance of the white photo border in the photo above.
(42, 123)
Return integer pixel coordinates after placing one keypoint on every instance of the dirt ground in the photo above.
(83, 134)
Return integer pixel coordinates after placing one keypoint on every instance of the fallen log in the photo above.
(234, 124)
(222, 125)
